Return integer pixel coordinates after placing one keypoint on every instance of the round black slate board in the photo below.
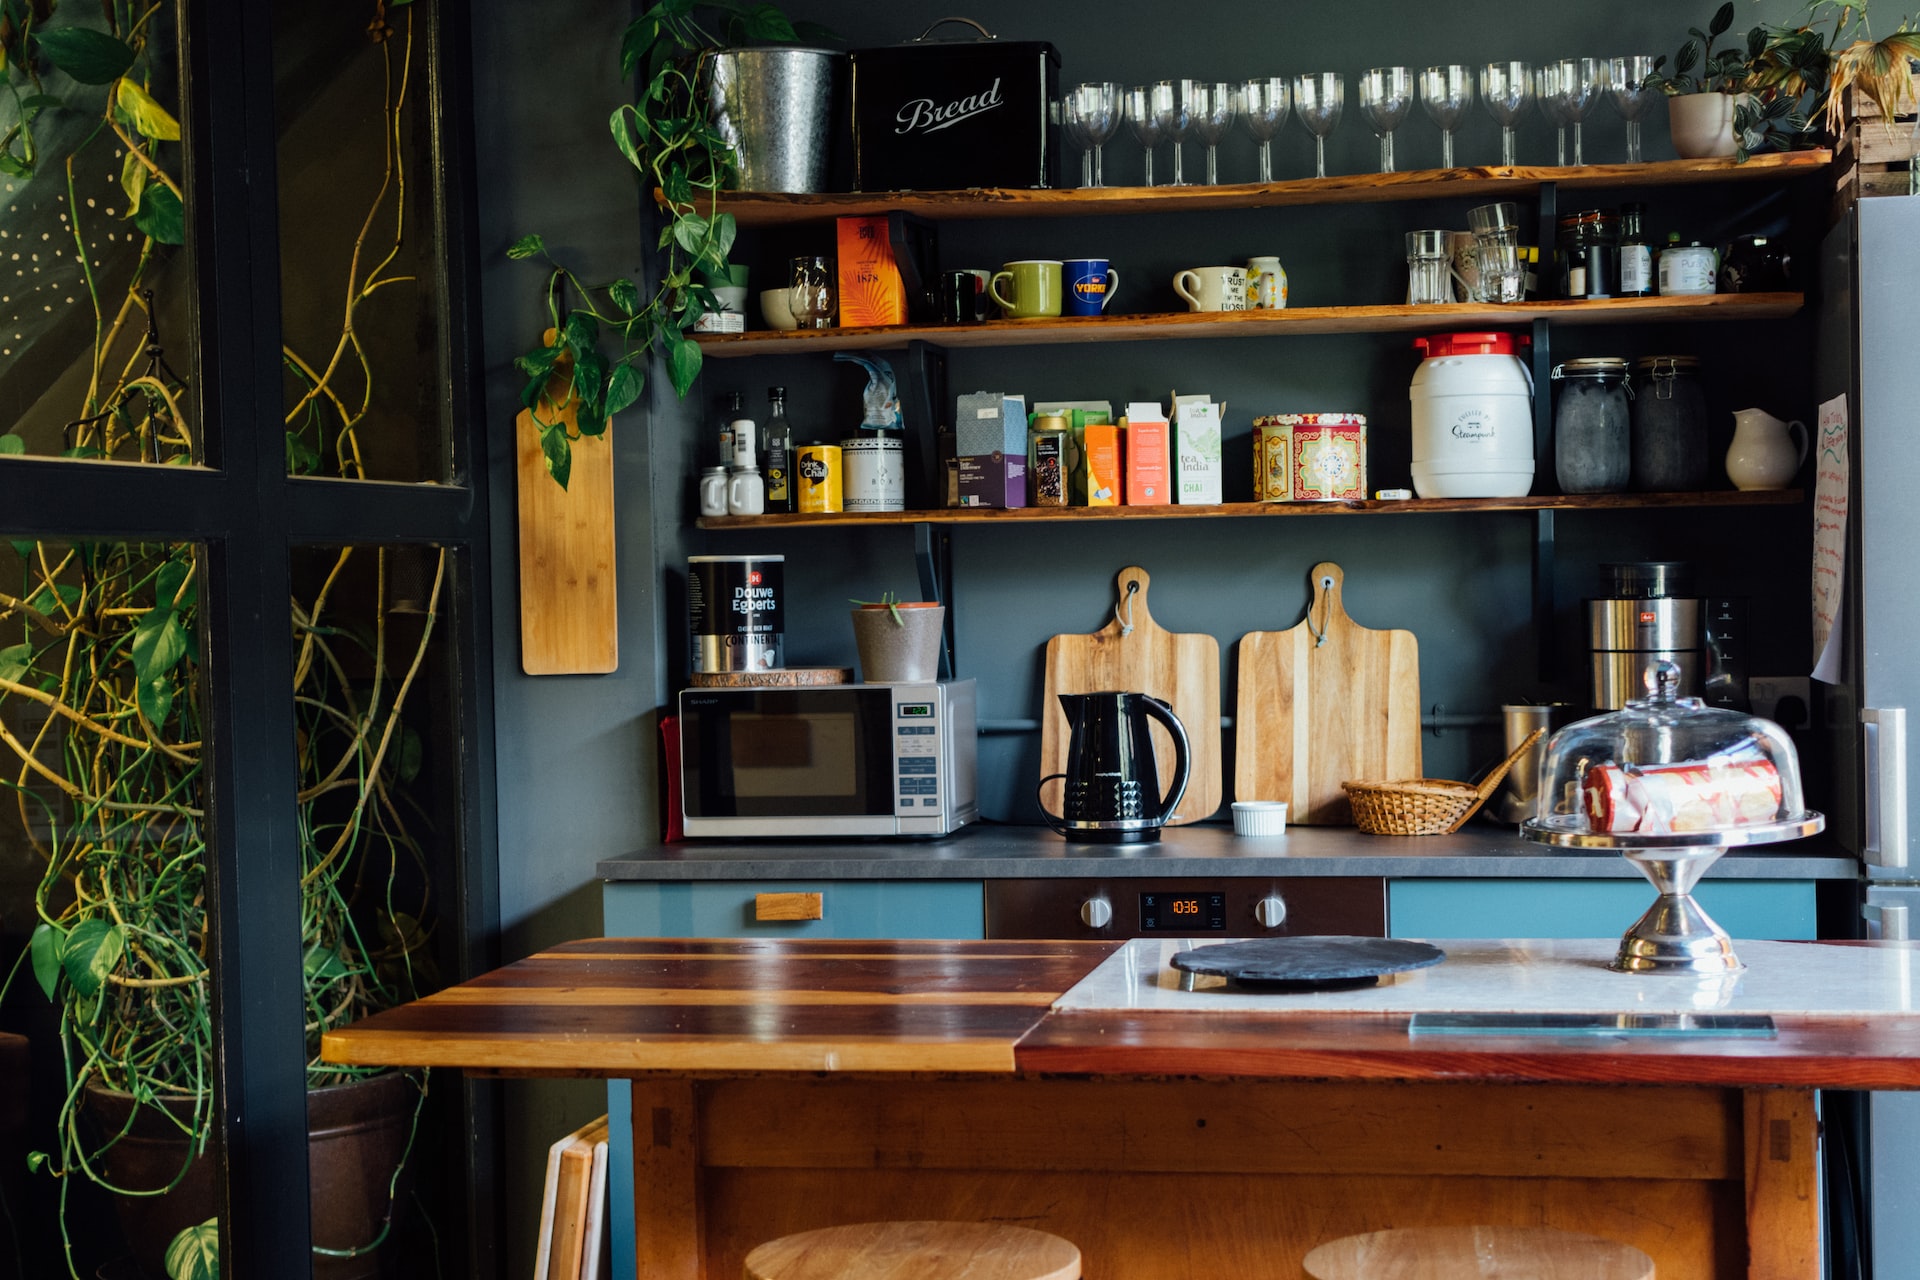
(1309, 963)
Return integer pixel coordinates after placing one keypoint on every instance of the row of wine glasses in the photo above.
(1172, 110)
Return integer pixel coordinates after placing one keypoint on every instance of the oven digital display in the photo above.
(915, 710)
(1185, 912)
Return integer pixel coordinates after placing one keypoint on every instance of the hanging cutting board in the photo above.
(569, 610)
(1180, 670)
(1314, 712)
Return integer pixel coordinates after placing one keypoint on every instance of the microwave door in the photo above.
(777, 754)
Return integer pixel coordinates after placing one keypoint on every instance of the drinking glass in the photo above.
(1073, 128)
(1264, 104)
(1429, 268)
(810, 293)
(1626, 78)
(1138, 108)
(1386, 95)
(1507, 89)
(1582, 82)
(1212, 117)
(1099, 111)
(1172, 100)
(1317, 100)
(1447, 95)
(1550, 88)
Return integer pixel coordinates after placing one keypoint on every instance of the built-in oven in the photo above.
(1224, 907)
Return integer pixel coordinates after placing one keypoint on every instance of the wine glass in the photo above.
(1582, 82)
(1099, 111)
(1264, 104)
(1073, 127)
(1137, 105)
(1212, 117)
(1386, 95)
(1447, 95)
(810, 293)
(1317, 100)
(1507, 89)
(1171, 103)
(1626, 80)
(1550, 88)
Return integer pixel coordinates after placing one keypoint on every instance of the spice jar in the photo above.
(1588, 245)
(1669, 425)
(1591, 425)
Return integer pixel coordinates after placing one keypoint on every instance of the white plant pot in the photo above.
(1701, 124)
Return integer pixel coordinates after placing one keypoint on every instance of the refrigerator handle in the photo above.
(1886, 770)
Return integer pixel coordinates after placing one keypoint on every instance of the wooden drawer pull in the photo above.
(789, 906)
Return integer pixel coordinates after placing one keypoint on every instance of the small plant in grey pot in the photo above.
(898, 640)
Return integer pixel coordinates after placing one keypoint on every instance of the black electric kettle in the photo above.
(1112, 790)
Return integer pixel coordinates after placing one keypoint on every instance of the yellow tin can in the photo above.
(1272, 460)
(820, 476)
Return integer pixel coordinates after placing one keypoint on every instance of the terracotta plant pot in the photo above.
(901, 643)
(1701, 124)
(356, 1134)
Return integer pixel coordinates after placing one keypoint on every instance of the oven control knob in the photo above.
(1271, 912)
(1096, 913)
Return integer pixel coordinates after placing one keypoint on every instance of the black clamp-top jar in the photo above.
(1588, 249)
(1669, 425)
(1591, 425)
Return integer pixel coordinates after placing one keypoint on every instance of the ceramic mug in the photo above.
(1034, 289)
(1213, 288)
(713, 491)
(1266, 284)
(982, 300)
(1090, 286)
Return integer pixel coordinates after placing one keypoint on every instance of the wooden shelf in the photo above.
(1230, 510)
(1252, 324)
(765, 209)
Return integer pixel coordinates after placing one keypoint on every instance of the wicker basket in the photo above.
(1425, 806)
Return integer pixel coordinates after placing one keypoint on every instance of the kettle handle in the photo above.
(1182, 756)
(1058, 824)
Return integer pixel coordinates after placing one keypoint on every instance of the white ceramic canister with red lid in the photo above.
(1472, 417)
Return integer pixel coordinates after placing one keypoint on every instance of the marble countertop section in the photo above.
(993, 851)
(1533, 976)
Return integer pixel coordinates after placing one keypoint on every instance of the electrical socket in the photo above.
(1768, 693)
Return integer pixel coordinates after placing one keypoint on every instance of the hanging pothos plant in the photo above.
(668, 135)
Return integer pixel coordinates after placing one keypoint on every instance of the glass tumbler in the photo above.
(1429, 268)
(810, 293)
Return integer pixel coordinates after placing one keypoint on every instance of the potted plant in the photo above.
(672, 134)
(898, 640)
(1810, 69)
(1703, 88)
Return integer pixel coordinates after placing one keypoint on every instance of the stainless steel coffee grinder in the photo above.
(1645, 617)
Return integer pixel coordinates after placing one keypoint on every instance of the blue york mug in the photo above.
(1090, 285)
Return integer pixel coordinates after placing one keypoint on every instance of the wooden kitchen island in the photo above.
(784, 1085)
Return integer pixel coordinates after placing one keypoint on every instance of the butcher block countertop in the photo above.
(629, 1006)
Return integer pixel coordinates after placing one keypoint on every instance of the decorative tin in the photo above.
(875, 471)
(819, 479)
(1329, 455)
(938, 115)
(1272, 460)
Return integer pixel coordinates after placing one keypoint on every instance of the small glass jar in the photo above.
(1592, 425)
(1669, 426)
(1588, 249)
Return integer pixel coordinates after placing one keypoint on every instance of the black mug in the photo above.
(959, 297)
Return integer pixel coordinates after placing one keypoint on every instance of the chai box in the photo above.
(1329, 455)
(1272, 460)
(1098, 481)
(1147, 474)
(1196, 453)
(871, 291)
(939, 115)
(993, 480)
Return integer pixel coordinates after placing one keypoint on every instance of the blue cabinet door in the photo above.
(1772, 909)
(724, 909)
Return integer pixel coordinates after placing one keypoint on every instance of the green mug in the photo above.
(1035, 287)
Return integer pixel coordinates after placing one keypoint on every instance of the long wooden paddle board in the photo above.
(569, 605)
(1133, 654)
(1323, 703)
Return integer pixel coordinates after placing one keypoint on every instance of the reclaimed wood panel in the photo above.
(669, 1211)
(1160, 1126)
(1783, 1185)
(920, 1250)
(1449, 1253)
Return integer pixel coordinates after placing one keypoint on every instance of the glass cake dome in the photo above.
(1670, 772)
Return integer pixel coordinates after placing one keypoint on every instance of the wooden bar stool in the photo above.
(1477, 1253)
(916, 1251)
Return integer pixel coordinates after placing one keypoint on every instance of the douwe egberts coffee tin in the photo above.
(734, 613)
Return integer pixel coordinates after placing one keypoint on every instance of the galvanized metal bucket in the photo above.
(774, 107)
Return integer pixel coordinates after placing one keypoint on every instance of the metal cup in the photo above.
(1514, 801)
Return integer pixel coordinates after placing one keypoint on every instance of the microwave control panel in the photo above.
(916, 755)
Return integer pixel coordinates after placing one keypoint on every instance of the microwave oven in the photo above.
(829, 760)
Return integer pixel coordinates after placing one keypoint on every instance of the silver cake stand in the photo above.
(1675, 935)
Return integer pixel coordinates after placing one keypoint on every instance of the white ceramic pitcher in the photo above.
(1766, 452)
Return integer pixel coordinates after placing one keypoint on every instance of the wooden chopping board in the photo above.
(1180, 670)
(1313, 714)
(569, 608)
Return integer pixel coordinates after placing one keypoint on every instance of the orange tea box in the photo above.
(1100, 448)
(871, 291)
(1147, 473)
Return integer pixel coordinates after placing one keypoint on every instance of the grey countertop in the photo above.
(993, 852)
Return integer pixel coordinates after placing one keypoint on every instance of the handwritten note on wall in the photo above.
(1833, 471)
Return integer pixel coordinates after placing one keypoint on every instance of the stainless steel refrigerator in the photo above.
(1869, 348)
